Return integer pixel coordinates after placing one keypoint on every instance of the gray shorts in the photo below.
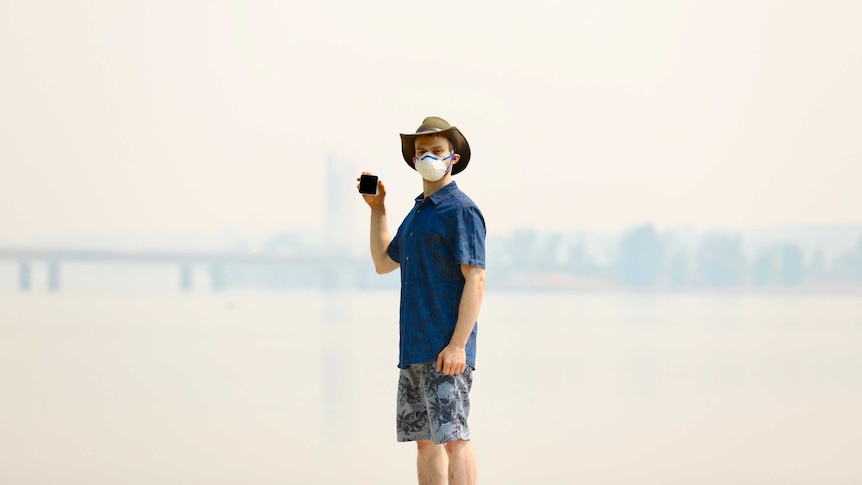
(433, 406)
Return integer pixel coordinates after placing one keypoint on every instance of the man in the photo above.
(440, 249)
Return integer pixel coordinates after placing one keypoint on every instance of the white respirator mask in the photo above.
(433, 168)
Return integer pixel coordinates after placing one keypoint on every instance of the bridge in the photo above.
(325, 267)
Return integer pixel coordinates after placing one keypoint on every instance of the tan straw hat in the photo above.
(433, 125)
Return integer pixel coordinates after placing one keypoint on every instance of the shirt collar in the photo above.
(444, 193)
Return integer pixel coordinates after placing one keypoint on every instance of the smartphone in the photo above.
(368, 184)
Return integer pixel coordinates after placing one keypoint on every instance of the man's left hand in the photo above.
(452, 360)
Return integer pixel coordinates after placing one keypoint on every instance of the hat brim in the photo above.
(462, 148)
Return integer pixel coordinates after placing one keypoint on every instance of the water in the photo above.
(299, 387)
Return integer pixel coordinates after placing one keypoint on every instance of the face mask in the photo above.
(432, 168)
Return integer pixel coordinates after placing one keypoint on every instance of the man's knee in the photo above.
(456, 446)
(425, 445)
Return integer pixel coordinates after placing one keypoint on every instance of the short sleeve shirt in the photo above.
(439, 234)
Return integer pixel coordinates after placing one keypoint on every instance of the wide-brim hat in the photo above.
(434, 125)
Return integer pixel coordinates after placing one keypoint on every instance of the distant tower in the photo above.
(24, 276)
(338, 224)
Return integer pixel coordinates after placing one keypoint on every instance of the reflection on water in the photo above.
(299, 388)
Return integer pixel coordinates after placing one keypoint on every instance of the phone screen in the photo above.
(368, 184)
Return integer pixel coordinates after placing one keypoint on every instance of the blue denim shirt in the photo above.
(440, 233)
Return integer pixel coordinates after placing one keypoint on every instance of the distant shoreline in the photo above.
(560, 282)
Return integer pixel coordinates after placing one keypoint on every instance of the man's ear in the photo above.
(414, 161)
(455, 158)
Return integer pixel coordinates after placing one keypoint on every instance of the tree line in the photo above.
(645, 258)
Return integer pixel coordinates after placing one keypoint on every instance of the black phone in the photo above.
(368, 184)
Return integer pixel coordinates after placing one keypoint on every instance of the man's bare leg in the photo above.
(462, 463)
(431, 463)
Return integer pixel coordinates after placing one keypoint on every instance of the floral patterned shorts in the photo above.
(433, 406)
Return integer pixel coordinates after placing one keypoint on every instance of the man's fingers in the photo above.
(450, 364)
(451, 369)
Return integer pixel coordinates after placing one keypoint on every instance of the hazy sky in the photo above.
(166, 115)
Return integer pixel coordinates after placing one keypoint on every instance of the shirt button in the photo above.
(417, 210)
(411, 233)
(407, 258)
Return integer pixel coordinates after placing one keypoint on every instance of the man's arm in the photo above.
(380, 238)
(453, 358)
